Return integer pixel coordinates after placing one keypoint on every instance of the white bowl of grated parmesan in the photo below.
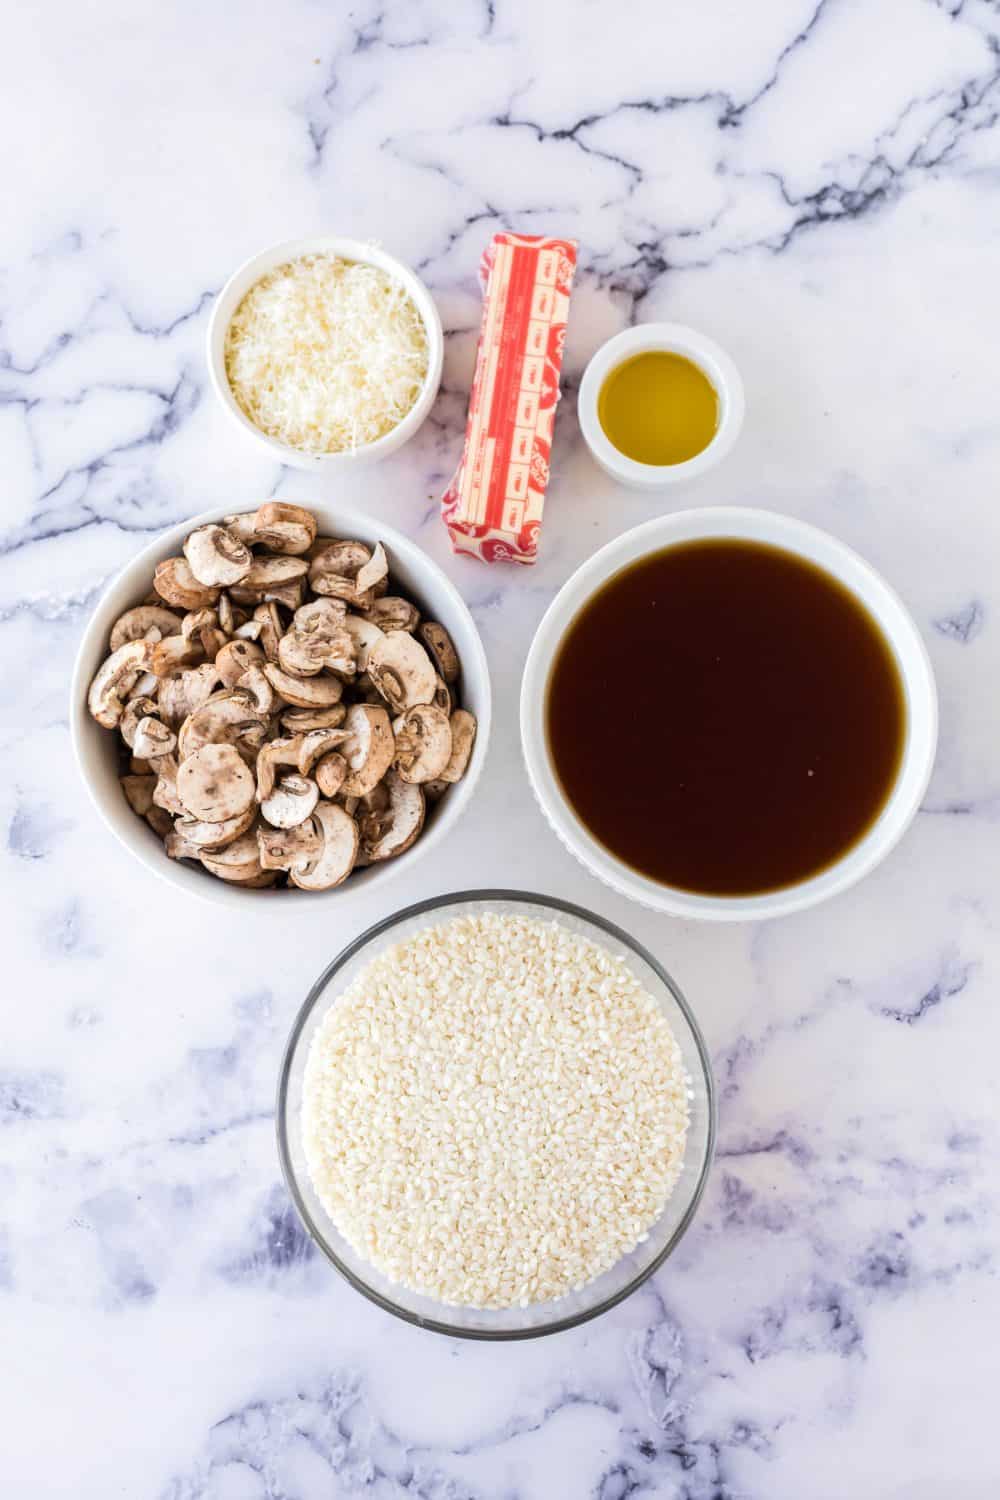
(326, 351)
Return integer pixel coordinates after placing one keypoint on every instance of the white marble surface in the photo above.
(817, 185)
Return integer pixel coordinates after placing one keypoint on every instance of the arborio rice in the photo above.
(494, 1111)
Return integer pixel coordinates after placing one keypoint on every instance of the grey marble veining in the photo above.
(816, 185)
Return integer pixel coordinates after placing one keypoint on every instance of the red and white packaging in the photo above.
(493, 506)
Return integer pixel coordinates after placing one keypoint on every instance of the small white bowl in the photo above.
(257, 266)
(96, 749)
(882, 603)
(675, 339)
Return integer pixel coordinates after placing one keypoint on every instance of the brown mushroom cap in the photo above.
(291, 802)
(402, 671)
(138, 622)
(214, 784)
(217, 557)
(438, 644)
(174, 581)
(234, 658)
(369, 748)
(160, 821)
(304, 692)
(331, 773)
(335, 860)
(423, 743)
(463, 737)
(392, 830)
(284, 528)
(115, 679)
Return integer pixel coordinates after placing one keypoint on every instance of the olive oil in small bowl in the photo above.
(660, 403)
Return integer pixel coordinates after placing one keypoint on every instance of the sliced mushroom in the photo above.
(343, 559)
(335, 860)
(165, 791)
(138, 622)
(368, 750)
(182, 695)
(331, 773)
(146, 685)
(175, 654)
(250, 630)
(290, 595)
(438, 643)
(115, 679)
(291, 802)
(280, 752)
(365, 635)
(227, 615)
(266, 615)
(402, 671)
(284, 528)
(238, 862)
(152, 739)
(256, 686)
(174, 581)
(423, 743)
(373, 571)
(215, 784)
(226, 718)
(281, 848)
(235, 658)
(201, 627)
(214, 835)
(217, 557)
(316, 743)
(139, 793)
(304, 692)
(309, 652)
(243, 527)
(392, 613)
(272, 572)
(392, 830)
(136, 710)
(321, 614)
(178, 847)
(442, 697)
(463, 737)
(302, 720)
(334, 586)
(160, 821)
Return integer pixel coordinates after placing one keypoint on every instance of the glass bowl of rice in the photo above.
(326, 351)
(496, 1114)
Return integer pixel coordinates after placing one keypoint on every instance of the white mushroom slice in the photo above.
(423, 743)
(438, 644)
(217, 557)
(463, 737)
(392, 613)
(136, 710)
(215, 784)
(250, 630)
(304, 692)
(227, 718)
(135, 623)
(115, 680)
(302, 720)
(316, 743)
(342, 559)
(284, 528)
(389, 832)
(309, 652)
(373, 571)
(160, 821)
(146, 686)
(243, 527)
(139, 793)
(214, 835)
(281, 752)
(335, 586)
(180, 696)
(175, 654)
(291, 802)
(227, 615)
(331, 773)
(335, 860)
(365, 635)
(174, 581)
(153, 739)
(197, 620)
(442, 698)
(266, 615)
(255, 684)
(235, 658)
(238, 861)
(402, 671)
(165, 791)
(290, 595)
(321, 614)
(272, 572)
(177, 846)
(368, 750)
(281, 848)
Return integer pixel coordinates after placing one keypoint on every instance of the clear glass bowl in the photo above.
(632, 1269)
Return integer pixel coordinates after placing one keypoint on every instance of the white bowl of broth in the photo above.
(729, 715)
(660, 404)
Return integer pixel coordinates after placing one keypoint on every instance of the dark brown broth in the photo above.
(725, 717)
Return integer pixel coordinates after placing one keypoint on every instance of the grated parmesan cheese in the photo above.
(326, 355)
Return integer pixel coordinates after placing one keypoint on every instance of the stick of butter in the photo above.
(493, 507)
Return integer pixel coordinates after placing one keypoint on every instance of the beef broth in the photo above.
(726, 718)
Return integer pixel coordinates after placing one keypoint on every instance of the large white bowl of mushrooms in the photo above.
(282, 700)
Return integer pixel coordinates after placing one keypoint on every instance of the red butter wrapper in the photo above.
(493, 506)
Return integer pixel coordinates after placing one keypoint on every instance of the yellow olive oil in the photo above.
(658, 408)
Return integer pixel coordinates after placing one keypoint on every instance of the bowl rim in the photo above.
(149, 852)
(420, 908)
(674, 338)
(251, 270)
(831, 555)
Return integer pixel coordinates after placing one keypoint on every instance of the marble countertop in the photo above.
(816, 184)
